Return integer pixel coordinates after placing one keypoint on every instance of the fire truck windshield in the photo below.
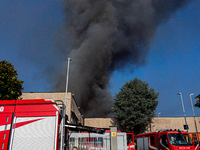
(180, 139)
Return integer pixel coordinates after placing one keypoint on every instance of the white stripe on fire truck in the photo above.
(196, 147)
(4, 127)
(56, 107)
(49, 100)
(163, 145)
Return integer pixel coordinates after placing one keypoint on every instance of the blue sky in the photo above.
(173, 63)
(30, 35)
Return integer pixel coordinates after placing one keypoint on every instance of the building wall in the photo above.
(71, 106)
(157, 123)
(72, 110)
(100, 122)
(175, 123)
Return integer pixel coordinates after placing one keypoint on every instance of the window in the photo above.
(129, 139)
(2, 147)
(7, 118)
(152, 140)
(180, 139)
(4, 136)
(164, 140)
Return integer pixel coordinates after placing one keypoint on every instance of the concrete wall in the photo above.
(157, 123)
(174, 123)
(100, 122)
(71, 106)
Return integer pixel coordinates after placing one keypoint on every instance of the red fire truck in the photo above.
(29, 124)
(37, 124)
(165, 140)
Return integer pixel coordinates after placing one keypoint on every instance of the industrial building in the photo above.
(75, 116)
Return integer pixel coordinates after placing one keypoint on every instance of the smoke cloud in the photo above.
(104, 36)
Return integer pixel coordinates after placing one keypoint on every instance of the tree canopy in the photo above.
(10, 86)
(198, 101)
(135, 105)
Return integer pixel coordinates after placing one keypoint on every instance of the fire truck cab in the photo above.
(165, 140)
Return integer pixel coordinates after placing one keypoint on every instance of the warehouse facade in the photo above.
(75, 116)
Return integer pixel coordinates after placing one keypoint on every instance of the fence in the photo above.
(94, 141)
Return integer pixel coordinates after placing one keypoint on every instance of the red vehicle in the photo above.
(29, 124)
(130, 141)
(165, 140)
(37, 124)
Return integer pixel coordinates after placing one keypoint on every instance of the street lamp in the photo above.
(65, 111)
(194, 115)
(183, 111)
(68, 59)
(159, 118)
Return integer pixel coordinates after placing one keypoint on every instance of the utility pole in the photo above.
(63, 137)
(159, 119)
(194, 116)
(183, 111)
(69, 59)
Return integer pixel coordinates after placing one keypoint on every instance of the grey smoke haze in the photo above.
(104, 36)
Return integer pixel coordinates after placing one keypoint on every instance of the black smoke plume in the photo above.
(104, 36)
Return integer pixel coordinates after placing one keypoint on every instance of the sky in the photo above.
(30, 34)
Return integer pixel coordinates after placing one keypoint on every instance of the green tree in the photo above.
(135, 105)
(198, 101)
(10, 86)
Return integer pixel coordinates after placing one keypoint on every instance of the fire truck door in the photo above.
(164, 144)
(34, 133)
(5, 125)
(142, 143)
